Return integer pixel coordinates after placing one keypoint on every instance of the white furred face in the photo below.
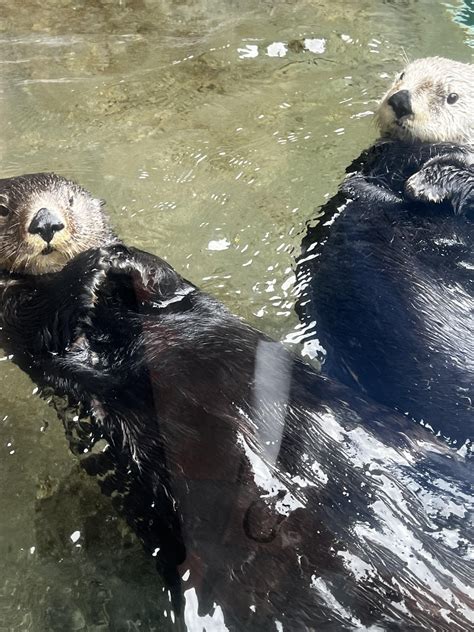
(432, 100)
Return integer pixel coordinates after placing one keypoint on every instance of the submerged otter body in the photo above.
(271, 497)
(386, 277)
(386, 286)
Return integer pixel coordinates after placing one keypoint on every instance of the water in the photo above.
(213, 130)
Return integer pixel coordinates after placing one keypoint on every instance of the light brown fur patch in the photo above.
(85, 225)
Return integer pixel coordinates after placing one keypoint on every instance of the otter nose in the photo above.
(400, 103)
(45, 224)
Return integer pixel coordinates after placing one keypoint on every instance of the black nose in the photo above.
(400, 103)
(45, 223)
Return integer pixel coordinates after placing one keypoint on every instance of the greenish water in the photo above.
(213, 129)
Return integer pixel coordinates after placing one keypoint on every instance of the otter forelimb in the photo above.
(445, 179)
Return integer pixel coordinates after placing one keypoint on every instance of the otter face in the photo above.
(432, 100)
(45, 220)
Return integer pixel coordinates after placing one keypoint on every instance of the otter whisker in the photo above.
(405, 56)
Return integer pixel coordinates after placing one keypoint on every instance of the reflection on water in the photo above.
(213, 129)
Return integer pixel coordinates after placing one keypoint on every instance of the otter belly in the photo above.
(270, 497)
(388, 292)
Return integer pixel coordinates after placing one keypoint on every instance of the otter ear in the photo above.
(102, 202)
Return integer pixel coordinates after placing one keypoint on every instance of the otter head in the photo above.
(45, 220)
(432, 100)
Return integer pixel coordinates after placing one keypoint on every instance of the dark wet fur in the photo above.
(387, 284)
(177, 383)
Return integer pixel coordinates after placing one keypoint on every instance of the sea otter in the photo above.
(386, 277)
(272, 498)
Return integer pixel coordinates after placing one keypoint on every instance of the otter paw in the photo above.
(72, 296)
(124, 263)
(83, 275)
(422, 187)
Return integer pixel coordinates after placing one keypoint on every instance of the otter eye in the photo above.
(71, 200)
(401, 76)
(4, 210)
(452, 98)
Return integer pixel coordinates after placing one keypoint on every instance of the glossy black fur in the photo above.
(189, 399)
(386, 283)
